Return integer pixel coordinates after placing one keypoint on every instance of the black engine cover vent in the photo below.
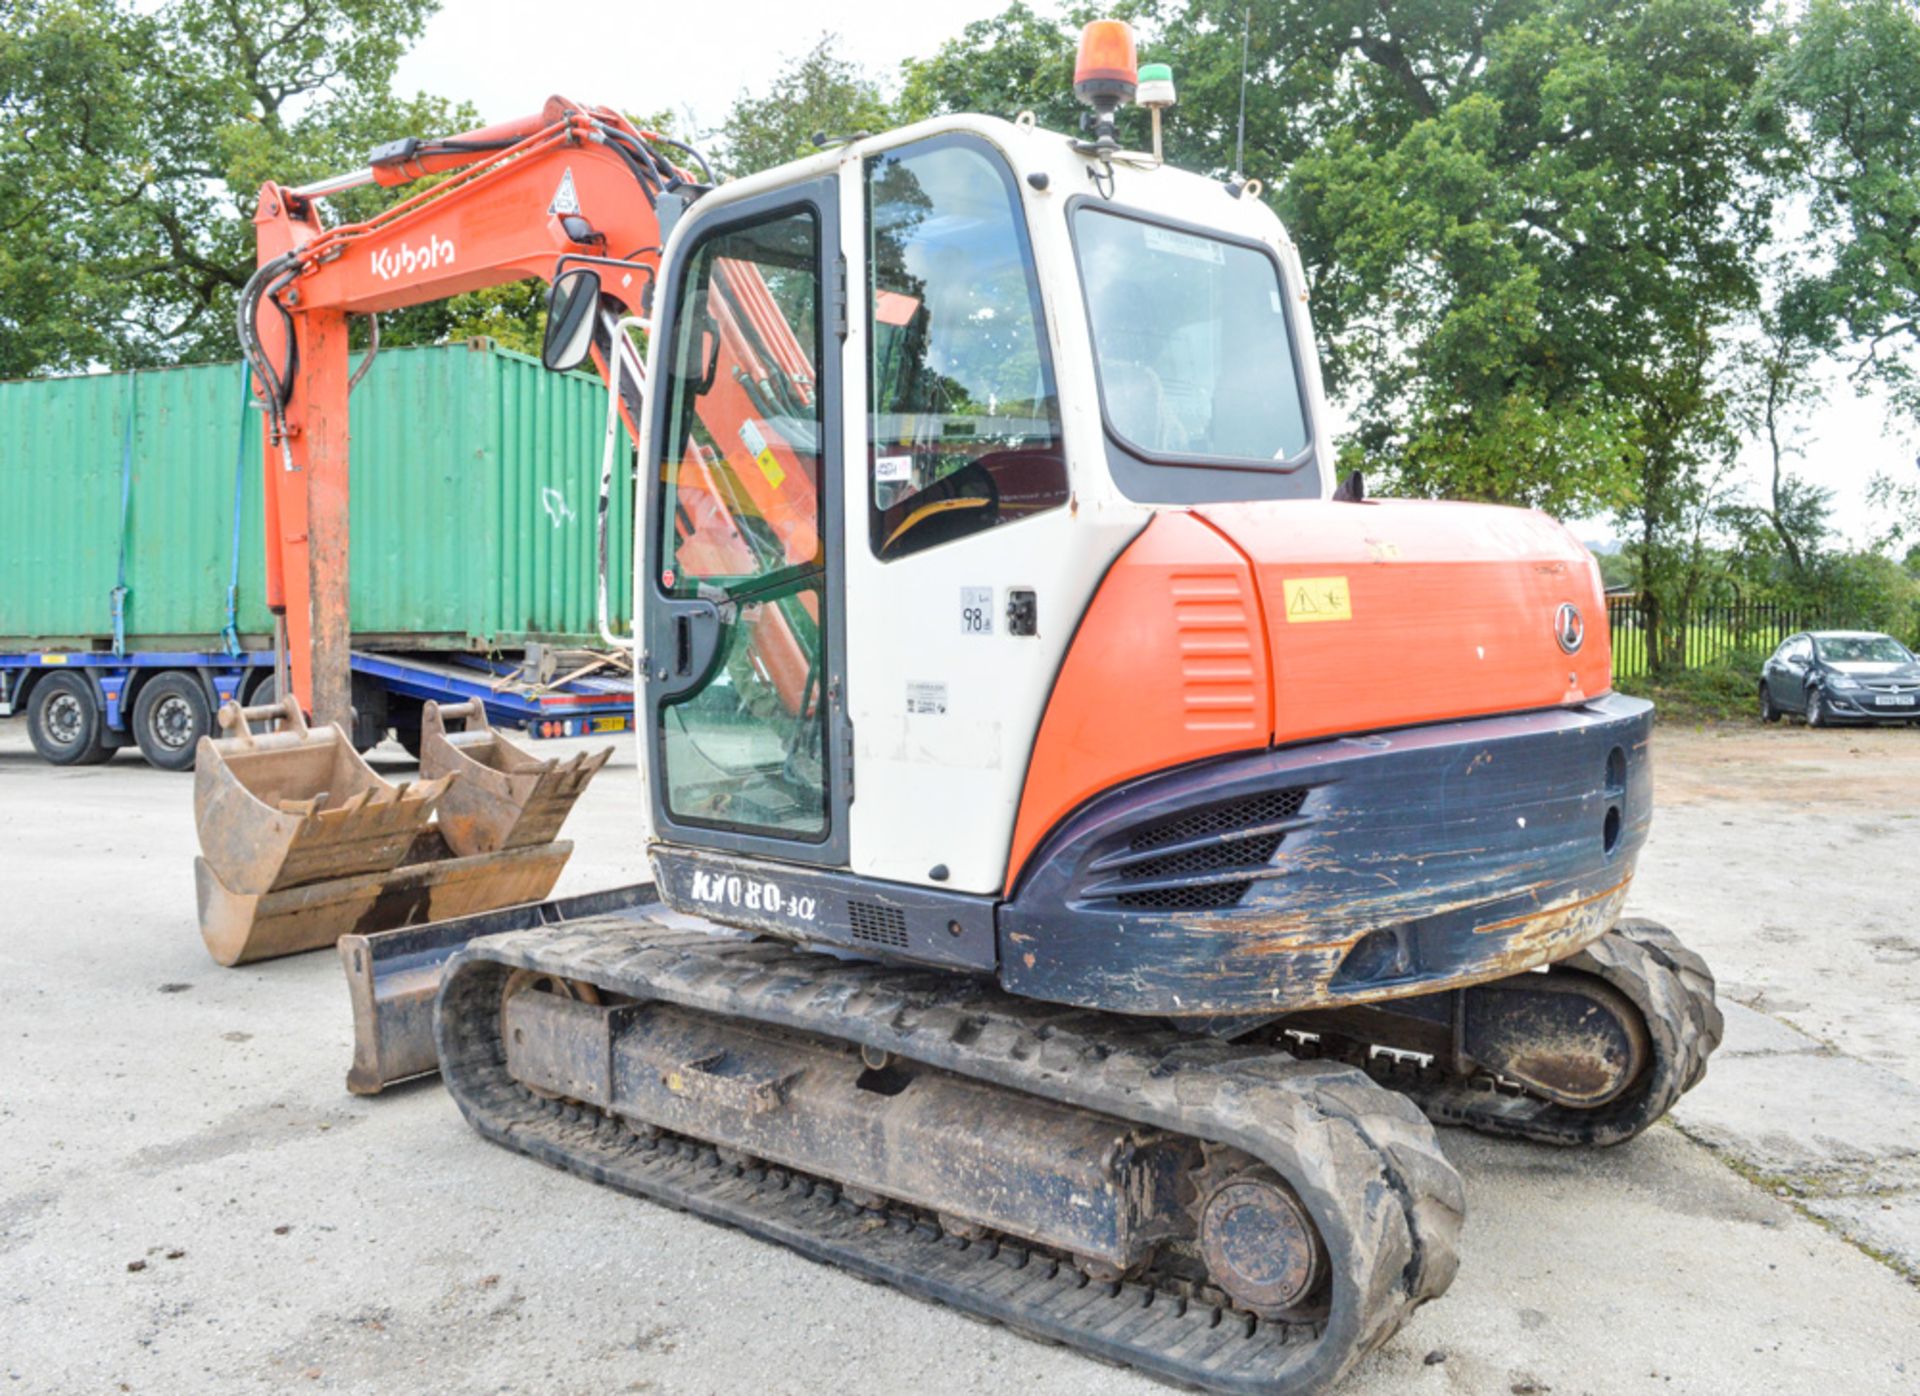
(1202, 860)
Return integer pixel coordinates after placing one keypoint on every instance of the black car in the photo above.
(1841, 676)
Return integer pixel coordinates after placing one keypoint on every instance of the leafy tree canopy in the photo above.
(818, 94)
(133, 140)
(1850, 82)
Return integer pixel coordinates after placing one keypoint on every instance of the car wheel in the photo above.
(169, 719)
(65, 723)
(1816, 709)
(1768, 712)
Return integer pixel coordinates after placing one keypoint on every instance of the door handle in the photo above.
(687, 640)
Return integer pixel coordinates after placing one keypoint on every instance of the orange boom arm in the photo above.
(518, 200)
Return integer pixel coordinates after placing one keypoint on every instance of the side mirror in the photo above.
(571, 306)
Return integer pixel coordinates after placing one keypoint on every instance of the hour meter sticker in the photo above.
(1317, 598)
(976, 610)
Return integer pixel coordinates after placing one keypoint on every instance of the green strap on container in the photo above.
(120, 593)
(230, 633)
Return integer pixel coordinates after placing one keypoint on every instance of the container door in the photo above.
(745, 655)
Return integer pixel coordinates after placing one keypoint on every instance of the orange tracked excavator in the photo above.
(1090, 845)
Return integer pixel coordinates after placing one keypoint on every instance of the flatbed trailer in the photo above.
(81, 707)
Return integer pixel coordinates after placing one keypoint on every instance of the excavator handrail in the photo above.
(621, 360)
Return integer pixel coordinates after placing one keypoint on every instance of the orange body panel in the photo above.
(1243, 625)
(1452, 609)
(1169, 666)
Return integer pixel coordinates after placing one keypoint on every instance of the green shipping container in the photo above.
(476, 478)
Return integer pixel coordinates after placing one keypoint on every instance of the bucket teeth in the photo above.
(504, 796)
(301, 841)
(297, 806)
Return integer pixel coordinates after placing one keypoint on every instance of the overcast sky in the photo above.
(699, 57)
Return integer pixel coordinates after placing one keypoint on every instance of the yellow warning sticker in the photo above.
(770, 467)
(1317, 598)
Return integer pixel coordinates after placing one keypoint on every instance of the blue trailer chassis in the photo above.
(581, 708)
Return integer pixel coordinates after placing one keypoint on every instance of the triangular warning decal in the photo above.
(1317, 598)
(564, 199)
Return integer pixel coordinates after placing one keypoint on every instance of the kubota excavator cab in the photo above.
(1000, 611)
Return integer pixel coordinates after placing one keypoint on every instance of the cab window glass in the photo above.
(964, 424)
(1190, 333)
(741, 522)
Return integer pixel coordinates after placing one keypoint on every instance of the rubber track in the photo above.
(1364, 1160)
(1674, 991)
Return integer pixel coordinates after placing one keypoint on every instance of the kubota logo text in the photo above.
(389, 262)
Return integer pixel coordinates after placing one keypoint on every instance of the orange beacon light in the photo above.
(1107, 71)
(1106, 74)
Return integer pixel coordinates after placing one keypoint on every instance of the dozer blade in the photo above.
(432, 885)
(393, 976)
(502, 797)
(299, 806)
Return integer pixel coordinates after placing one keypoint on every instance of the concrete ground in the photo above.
(190, 1201)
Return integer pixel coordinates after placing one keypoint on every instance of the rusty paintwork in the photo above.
(283, 809)
(501, 797)
(433, 885)
(1346, 871)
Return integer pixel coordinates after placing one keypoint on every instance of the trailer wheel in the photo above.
(65, 723)
(170, 717)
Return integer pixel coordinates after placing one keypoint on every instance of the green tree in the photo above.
(64, 69)
(136, 139)
(1014, 61)
(816, 94)
(1850, 83)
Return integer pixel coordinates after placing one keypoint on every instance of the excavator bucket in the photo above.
(302, 842)
(502, 797)
(297, 806)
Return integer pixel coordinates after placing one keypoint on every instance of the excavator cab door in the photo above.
(742, 586)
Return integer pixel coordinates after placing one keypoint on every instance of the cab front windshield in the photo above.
(1191, 336)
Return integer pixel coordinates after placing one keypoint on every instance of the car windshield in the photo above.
(1863, 649)
(1190, 333)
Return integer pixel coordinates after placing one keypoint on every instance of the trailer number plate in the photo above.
(610, 724)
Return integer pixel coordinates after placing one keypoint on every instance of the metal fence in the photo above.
(1700, 636)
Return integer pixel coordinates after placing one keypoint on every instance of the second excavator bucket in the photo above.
(302, 842)
(502, 797)
(296, 806)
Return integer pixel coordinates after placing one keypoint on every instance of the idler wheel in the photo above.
(1261, 1247)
